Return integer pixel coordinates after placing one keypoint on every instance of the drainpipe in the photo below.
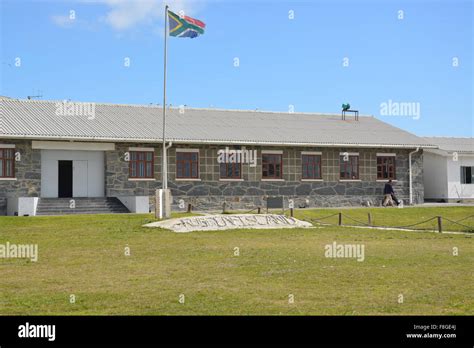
(166, 150)
(409, 173)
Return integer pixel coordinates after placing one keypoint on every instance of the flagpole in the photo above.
(164, 170)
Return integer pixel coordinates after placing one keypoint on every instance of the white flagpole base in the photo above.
(163, 204)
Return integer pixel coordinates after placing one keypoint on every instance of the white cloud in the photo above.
(126, 14)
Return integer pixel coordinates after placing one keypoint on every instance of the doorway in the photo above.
(64, 179)
(88, 173)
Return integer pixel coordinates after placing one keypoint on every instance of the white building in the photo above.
(448, 172)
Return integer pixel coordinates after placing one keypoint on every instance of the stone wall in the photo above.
(418, 187)
(117, 182)
(27, 171)
(211, 192)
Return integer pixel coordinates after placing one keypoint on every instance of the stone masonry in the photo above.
(27, 171)
(209, 192)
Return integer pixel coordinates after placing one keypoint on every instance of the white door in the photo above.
(79, 178)
(89, 180)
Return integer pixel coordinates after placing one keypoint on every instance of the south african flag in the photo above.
(184, 26)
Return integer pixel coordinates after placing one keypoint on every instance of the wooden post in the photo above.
(370, 219)
(258, 210)
(291, 212)
(440, 225)
(340, 219)
(189, 207)
(223, 208)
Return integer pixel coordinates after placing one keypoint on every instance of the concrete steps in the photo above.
(62, 206)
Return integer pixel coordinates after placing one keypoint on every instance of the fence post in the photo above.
(258, 210)
(370, 219)
(189, 207)
(340, 219)
(440, 224)
(291, 212)
(223, 208)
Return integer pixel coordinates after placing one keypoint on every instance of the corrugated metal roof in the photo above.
(452, 144)
(37, 119)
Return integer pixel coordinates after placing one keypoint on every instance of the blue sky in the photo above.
(282, 61)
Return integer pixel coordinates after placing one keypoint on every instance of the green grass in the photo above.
(84, 255)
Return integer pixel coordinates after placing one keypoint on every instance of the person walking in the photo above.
(389, 194)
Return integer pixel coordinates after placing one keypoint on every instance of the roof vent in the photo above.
(346, 107)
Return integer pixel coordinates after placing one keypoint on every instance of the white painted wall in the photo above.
(71, 145)
(456, 190)
(435, 176)
(95, 170)
(80, 178)
(22, 205)
(136, 204)
(442, 176)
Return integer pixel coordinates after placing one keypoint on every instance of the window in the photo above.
(467, 175)
(230, 170)
(311, 166)
(141, 165)
(187, 165)
(385, 167)
(272, 166)
(349, 169)
(7, 163)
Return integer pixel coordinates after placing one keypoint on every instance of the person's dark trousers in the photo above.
(395, 199)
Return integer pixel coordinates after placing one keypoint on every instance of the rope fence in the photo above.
(457, 223)
(438, 224)
(465, 218)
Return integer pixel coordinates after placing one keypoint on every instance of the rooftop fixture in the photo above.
(346, 107)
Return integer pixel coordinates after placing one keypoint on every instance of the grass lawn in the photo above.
(84, 255)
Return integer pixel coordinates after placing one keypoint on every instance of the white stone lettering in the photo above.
(226, 222)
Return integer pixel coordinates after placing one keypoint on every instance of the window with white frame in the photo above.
(187, 164)
(349, 166)
(386, 167)
(141, 165)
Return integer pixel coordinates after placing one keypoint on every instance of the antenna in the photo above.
(34, 96)
(39, 94)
